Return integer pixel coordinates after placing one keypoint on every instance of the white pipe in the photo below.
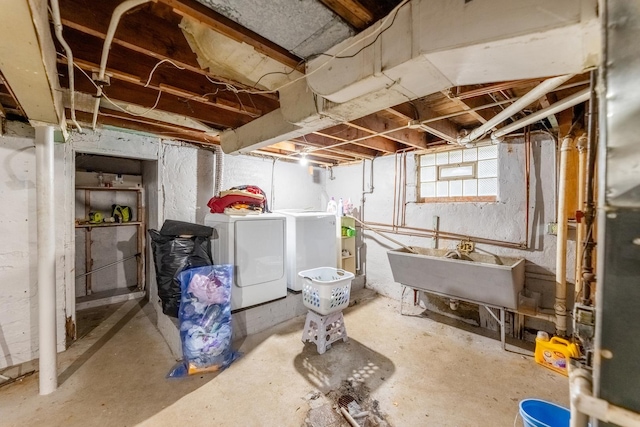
(120, 10)
(349, 418)
(560, 305)
(561, 105)
(579, 385)
(57, 25)
(541, 316)
(531, 96)
(585, 405)
(581, 228)
(46, 260)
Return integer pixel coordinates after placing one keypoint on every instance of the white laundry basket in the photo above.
(326, 289)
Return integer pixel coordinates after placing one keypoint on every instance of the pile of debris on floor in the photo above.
(349, 405)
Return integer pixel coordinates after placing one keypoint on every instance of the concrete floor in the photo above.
(422, 373)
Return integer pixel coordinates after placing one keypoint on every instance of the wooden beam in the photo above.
(480, 116)
(545, 102)
(292, 157)
(87, 48)
(336, 151)
(235, 31)
(28, 60)
(348, 133)
(292, 147)
(182, 93)
(133, 94)
(466, 92)
(443, 128)
(375, 124)
(122, 120)
(138, 31)
(319, 154)
(351, 11)
(318, 141)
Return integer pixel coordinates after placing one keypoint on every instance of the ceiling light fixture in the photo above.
(303, 159)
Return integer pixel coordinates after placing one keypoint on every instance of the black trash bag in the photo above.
(173, 254)
(180, 228)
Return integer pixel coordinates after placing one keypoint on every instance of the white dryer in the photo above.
(311, 243)
(255, 245)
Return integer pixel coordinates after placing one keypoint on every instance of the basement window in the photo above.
(465, 175)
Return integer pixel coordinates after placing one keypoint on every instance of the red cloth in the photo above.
(218, 204)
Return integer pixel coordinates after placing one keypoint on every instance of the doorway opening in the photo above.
(110, 244)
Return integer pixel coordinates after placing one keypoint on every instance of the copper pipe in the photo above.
(527, 157)
(425, 232)
(588, 276)
(404, 192)
(395, 187)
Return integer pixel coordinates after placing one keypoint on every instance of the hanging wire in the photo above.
(157, 65)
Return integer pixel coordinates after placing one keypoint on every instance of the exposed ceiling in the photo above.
(163, 82)
(9, 106)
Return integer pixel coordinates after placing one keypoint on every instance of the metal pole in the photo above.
(108, 265)
(46, 261)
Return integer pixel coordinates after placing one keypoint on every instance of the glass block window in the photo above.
(469, 174)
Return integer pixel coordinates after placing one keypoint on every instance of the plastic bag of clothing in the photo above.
(205, 320)
(173, 254)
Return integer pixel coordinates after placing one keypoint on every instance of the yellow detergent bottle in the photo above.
(555, 353)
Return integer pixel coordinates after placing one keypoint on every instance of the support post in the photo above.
(560, 305)
(46, 261)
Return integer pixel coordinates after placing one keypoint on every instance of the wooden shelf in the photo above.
(347, 243)
(138, 227)
(108, 224)
(110, 188)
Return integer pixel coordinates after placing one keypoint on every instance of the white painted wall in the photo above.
(503, 220)
(178, 181)
(18, 250)
(287, 185)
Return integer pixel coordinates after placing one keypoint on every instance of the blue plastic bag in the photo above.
(205, 320)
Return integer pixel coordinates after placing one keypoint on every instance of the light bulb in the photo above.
(303, 160)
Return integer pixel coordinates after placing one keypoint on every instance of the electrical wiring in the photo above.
(376, 33)
(230, 87)
(397, 9)
(153, 70)
(286, 73)
(143, 114)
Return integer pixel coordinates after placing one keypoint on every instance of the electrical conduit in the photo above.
(561, 105)
(531, 96)
(560, 305)
(57, 25)
(120, 10)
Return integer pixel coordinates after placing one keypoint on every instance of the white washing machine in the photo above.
(311, 243)
(255, 244)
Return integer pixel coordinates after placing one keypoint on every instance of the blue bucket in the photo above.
(538, 413)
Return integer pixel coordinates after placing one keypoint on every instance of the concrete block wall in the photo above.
(287, 185)
(502, 220)
(18, 250)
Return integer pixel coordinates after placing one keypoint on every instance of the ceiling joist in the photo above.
(139, 31)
